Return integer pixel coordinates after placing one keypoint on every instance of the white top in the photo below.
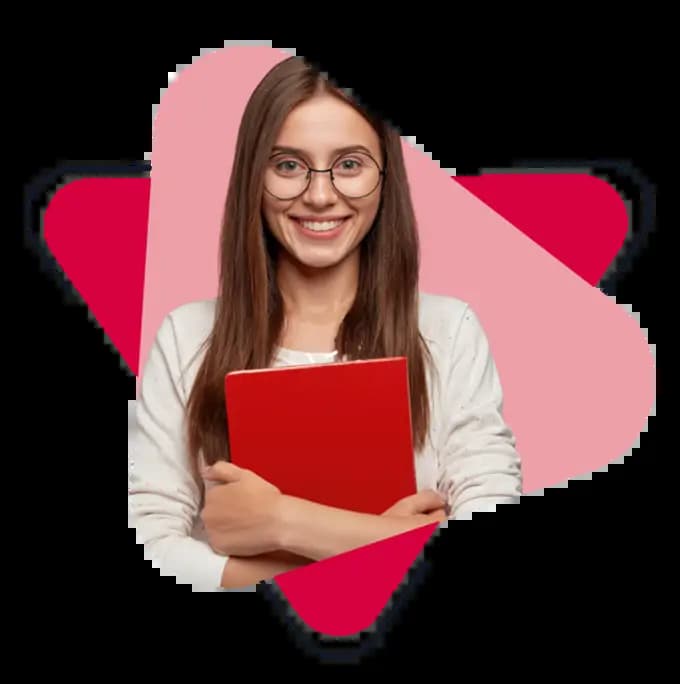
(470, 455)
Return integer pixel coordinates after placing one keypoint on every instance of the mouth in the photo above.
(316, 228)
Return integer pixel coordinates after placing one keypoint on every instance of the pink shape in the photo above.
(96, 228)
(578, 218)
(362, 583)
(577, 372)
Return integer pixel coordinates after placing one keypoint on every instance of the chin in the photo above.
(319, 261)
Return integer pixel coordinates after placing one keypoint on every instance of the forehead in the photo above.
(324, 124)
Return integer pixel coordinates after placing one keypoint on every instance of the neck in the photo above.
(318, 295)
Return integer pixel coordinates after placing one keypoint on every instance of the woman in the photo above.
(319, 262)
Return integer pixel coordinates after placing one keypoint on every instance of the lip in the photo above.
(331, 234)
(320, 219)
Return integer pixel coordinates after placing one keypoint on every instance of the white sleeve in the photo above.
(480, 466)
(163, 496)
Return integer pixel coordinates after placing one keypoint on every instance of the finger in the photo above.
(222, 472)
(438, 516)
(429, 500)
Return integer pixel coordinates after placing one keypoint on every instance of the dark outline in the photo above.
(344, 650)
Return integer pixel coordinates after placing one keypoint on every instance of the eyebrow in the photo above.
(277, 149)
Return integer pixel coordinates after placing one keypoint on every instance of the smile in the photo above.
(326, 229)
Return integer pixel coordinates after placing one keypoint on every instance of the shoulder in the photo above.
(441, 317)
(453, 332)
(192, 319)
(183, 332)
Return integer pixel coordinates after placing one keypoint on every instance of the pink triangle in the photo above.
(96, 229)
(345, 594)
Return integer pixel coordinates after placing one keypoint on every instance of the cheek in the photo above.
(271, 217)
(368, 215)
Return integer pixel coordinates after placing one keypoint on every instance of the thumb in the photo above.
(222, 472)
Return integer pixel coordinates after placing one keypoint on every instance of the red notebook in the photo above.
(338, 434)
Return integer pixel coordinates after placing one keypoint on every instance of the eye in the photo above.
(349, 166)
(289, 166)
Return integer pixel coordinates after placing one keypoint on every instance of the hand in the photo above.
(425, 505)
(240, 512)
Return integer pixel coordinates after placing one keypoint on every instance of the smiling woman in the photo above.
(319, 262)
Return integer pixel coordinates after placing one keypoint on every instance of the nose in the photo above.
(320, 190)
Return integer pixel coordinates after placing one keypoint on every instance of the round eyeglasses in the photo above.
(354, 176)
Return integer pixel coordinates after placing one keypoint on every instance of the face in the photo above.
(322, 227)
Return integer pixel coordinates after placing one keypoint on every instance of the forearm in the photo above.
(240, 572)
(315, 531)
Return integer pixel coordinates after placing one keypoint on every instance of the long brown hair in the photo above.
(383, 319)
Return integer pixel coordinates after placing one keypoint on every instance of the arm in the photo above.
(246, 516)
(316, 531)
(163, 496)
(244, 572)
(479, 465)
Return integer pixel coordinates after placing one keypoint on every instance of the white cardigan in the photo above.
(470, 456)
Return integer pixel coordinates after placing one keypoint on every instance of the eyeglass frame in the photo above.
(381, 172)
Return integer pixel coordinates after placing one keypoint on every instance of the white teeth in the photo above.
(321, 226)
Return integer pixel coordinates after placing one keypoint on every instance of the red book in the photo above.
(338, 434)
